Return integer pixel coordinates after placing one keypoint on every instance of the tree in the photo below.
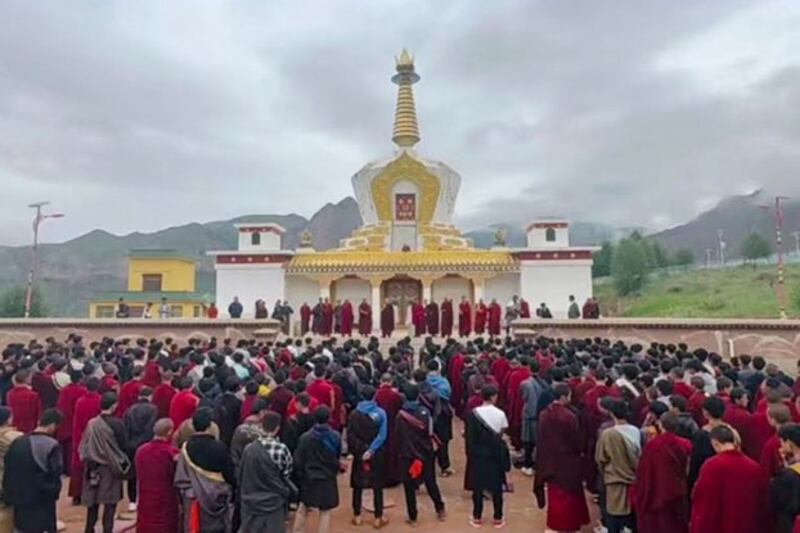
(683, 257)
(629, 266)
(12, 303)
(755, 247)
(602, 261)
(658, 256)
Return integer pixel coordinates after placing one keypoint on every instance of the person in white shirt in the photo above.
(163, 309)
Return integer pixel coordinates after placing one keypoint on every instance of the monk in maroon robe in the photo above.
(327, 317)
(67, 399)
(24, 402)
(500, 367)
(86, 408)
(387, 319)
(524, 309)
(481, 313)
(559, 477)
(364, 319)
(730, 495)
(184, 403)
(464, 318)
(390, 400)
(447, 317)
(514, 402)
(418, 318)
(432, 318)
(162, 396)
(495, 318)
(157, 503)
(454, 371)
(661, 491)
(305, 318)
(347, 319)
(129, 393)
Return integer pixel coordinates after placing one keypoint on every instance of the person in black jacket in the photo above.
(784, 489)
(228, 410)
(139, 422)
(235, 308)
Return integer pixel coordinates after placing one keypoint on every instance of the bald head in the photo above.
(163, 428)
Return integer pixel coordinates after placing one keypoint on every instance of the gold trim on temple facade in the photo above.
(438, 261)
(405, 167)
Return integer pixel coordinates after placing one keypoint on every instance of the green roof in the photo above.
(159, 252)
(155, 297)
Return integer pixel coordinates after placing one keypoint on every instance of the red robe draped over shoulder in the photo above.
(157, 504)
(514, 403)
(182, 407)
(26, 406)
(390, 400)
(162, 397)
(86, 408)
(432, 318)
(495, 317)
(327, 318)
(67, 399)
(364, 319)
(347, 318)
(730, 496)
(464, 319)
(128, 395)
(305, 318)
(447, 318)
(661, 491)
(387, 320)
(418, 319)
(524, 309)
(456, 368)
(481, 313)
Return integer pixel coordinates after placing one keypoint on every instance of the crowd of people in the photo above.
(224, 436)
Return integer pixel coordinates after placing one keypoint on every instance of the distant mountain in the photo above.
(737, 217)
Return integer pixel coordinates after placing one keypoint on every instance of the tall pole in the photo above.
(720, 234)
(35, 252)
(780, 288)
(796, 236)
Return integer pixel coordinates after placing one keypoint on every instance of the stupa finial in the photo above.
(406, 130)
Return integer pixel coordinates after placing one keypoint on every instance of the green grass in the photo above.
(736, 292)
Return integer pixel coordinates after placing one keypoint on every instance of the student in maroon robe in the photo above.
(481, 312)
(305, 318)
(66, 405)
(24, 402)
(514, 403)
(464, 318)
(43, 384)
(455, 369)
(157, 506)
(524, 308)
(327, 317)
(740, 419)
(661, 491)
(129, 392)
(730, 495)
(495, 318)
(347, 319)
(184, 403)
(280, 396)
(163, 394)
(364, 318)
(86, 408)
(559, 477)
(418, 318)
(432, 318)
(390, 400)
(447, 317)
(771, 460)
(387, 319)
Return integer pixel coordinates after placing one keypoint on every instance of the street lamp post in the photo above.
(35, 252)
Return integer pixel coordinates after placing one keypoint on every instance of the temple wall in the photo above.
(501, 288)
(353, 289)
(181, 330)
(300, 290)
(777, 340)
(249, 283)
(453, 287)
(553, 281)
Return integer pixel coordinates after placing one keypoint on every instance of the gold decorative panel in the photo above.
(406, 167)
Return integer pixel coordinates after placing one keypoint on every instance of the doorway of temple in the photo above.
(403, 291)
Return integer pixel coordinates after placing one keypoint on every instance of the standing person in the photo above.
(123, 311)
(155, 473)
(488, 456)
(8, 434)
(617, 456)
(390, 400)
(265, 480)
(164, 310)
(481, 312)
(327, 317)
(447, 318)
(573, 311)
(559, 477)
(432, 318)
(32, 477)
(235, 308)
(512, 313)
(364, 318)
(67, 400)
(317, 463)
(102, 450)
(86, 408)
(139, 422)
(730, 495)
(213, 311)
(442, 414)
(24, 402)
(415, 447)
(418, 318)
(772, 460)
(184, 403)
(366, 440)
(147, 311)
(495, 317)
(784, 489)
(530, 393)
(464, 318)
(305, 319)
(387, 319)
(347, 319)
(661, 490)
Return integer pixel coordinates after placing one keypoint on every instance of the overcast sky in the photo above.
(138, 115)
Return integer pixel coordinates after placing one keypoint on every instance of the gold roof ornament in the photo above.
(500, 237)
(406, 130)
(306, 240)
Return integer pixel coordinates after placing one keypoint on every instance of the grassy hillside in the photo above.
(736, 292)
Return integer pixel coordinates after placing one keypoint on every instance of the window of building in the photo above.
(255, 238)
(176, 311)
(550, 235)
(104, 311)
(151, 282)
(196, 311)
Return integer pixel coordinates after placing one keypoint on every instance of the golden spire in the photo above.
(406, 130)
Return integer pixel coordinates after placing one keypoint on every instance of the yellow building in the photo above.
(152, 276)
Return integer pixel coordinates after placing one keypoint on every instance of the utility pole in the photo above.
(720, 234)
(708, 257)
(796, 236)
(780, 288)
(35, 252)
